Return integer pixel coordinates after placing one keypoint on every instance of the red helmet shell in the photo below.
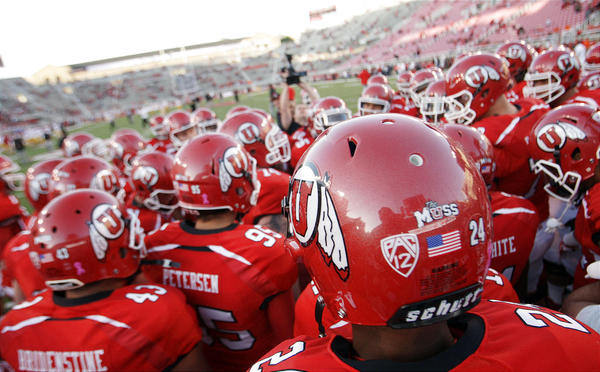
(213, 171)
(205, 119)
(378, 79)
(551, 74)
(376, 94)
(82, 172)
(123, 148)
(236, 110)
(37, 182)
(477, 146)
(83, 237)
(519, 55)
(590, 81)
(391, 225)
(263, 139)
(329, 111)
(592, 59)
(73, 143)
(151, 179)
(10, 178)
(473, 84)
(564, 144)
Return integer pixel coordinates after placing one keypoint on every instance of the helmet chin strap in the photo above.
(319, 307)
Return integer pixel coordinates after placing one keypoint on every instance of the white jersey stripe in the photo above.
(160, 248)
(25, 323)
(513, 211)
(105, 320)
(507, 130)
(224, 252)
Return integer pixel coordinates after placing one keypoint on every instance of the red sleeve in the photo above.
(498, 287)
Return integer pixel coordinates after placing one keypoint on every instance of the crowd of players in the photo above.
(413, 240)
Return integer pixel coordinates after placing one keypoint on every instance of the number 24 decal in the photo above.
(477, 229)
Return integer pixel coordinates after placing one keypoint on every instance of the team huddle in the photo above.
(440, 228)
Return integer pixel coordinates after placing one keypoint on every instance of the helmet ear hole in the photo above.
(123, 252)
(576, 154)
(352, 146)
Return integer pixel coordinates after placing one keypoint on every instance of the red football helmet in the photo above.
(151, 179)
(83, 237)
(420, 81)
(97, 147)
(262, 113)
(403, 83)
(592, 59)
(73, 143)
(378, 79)
(473, 84)
(180, 122)
(477, 146)
(519, 55)
(328, 112)
(122, 131)
(123, 148)
(158, 127)
(433, 102)
(10, 176)
(213, 171)
(37, 183)
(372, 96)
(205, 119)
(236, 110)
(565, 145)
(590, 81)
(264, 140)
(82, 172)
(551, 74)
(422, 245)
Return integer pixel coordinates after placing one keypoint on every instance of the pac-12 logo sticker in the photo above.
(248, 133)
(313, 215)
(107, 224)
(554, 136)
(401, 252)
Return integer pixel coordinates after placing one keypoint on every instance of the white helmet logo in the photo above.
(478, 76)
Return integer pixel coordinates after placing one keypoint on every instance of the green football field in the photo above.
(349, 90)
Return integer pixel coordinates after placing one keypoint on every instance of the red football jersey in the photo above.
(229, 275)
(516, 92)
(17, 266)
(273, 188)
(494, 335)
(589, 97)
(11, 218)
(496, 287)
(162, 145)
(508, 134)
(403, 105)
(583, 233)
(300, 140)
(143, 327)
(515, 222)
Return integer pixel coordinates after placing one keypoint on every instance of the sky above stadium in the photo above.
(37, 33)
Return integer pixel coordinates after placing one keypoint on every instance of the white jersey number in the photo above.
(209, 315)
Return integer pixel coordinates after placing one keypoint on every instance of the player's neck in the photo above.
(215, 221)
(501, 107)
(96, 287)
(564, 98)
(402, 345)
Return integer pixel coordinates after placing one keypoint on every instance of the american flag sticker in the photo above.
(46, 257)
(443, 243)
